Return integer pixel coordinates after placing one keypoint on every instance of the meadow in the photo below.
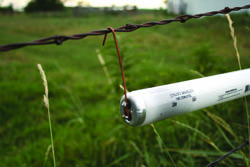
(87, 126)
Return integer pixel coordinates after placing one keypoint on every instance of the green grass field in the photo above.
(87, 127)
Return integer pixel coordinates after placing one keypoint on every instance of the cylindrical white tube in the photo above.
(158, 103)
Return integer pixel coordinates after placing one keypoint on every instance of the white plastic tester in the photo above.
(154, 104)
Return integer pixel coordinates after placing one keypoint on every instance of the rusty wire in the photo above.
(127, 114)
(59, 39)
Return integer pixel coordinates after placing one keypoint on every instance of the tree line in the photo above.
(44, 6)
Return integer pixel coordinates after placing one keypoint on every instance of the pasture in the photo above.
(87, 127)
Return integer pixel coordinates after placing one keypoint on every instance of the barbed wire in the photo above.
(212, 164)
(59, 39)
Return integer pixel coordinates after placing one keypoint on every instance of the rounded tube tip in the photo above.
(136, 108)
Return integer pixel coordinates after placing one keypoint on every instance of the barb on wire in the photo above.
(212, 164)
(58, 40)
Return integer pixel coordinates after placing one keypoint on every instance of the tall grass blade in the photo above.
(221, 122)
(206, 138)
(234, 38)
(197, 73)
(105, 69)
(46, 102)
(156, 132)
(225, 136)
(136, 148)
(191, 128)
(248, 29)
(46, 155)
(239, 62)
(118, 160)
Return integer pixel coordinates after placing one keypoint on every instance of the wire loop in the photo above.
(126, 111)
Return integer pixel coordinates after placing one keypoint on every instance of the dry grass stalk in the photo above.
(239, 62)
(221, 122)
(105, 69)
(234, 38)
(46, 102)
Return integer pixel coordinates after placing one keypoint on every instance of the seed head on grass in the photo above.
(230, 22)
(45, 83)
(239, 62)
(46, 102)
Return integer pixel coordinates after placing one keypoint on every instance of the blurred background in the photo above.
(84, 101)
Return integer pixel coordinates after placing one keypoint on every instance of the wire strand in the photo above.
(212, 164)
(59, 39)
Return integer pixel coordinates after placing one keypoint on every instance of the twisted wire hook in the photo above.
(126, 110)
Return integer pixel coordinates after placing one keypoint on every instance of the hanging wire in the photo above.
(126, 111)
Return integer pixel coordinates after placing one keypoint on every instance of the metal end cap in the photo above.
(137, 110)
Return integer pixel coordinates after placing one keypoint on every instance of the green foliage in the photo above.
(88, 130)
(204, 62)
(44, 6)
(6, 9)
